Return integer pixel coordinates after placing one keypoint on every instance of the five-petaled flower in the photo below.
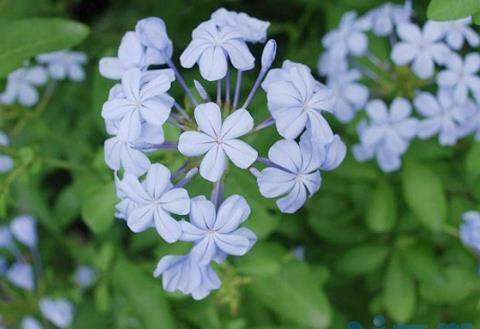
(155, 199)
(218, 140)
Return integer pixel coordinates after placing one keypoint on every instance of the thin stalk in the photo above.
(188, 177)
(217, 193)
(227, 87)
(181, 80)
(181, 110)
(219, 92)
(259, 80)
(237, 89)
(266, 123)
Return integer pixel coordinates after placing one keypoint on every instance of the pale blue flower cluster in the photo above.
(23, 275)
(430, 52)
(212, 135)
(22, 83)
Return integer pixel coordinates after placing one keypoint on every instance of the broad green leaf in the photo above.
(450, 286)
(295, 295)
(472, 160)
(382, 209)
(420, 262)
(476, 18)
(424, 193)
(67, 206)
(262, 260)
(98, 208)
(362, 259)
(144, 294)
(399, 292)
(444, 10)
(25, 38)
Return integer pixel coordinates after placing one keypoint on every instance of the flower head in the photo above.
(296, 101)
(217, 232)
(388, 134)
(252, 29)
(423, 48)
(212, 47)
(470, 230)
(57, 311)
(152, 33)
(218, 141)
(349, 37)
(64, 64)
(461, 76)
(21, 275)
(458, 31)
(21, 85)
(155, 199)
(386, 17)
(24, 229)
(443, 116)
(350, 94)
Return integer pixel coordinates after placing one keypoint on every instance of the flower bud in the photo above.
(268, 54)
(152, 32)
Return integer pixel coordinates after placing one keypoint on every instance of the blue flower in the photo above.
(64, 64)
(423, 48)
(23, 228)
(252, 29)
(443, 116)
(21, 86)
(155, 199)
(212, 47)
(296, 101)
(470, 230)
(386, 17)
(6, 162)
(21, 275)
(461, 76)
(57, 311)
(29, 322)
(388, 134)
(216, 232)
(458, 31)
(184, 274)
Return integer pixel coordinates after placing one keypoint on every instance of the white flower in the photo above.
(6, 162)
(385, 17)
(293, 173)
(461, 76)
(217, 231)
(131, 54)
(152, 33)
(29, 322)
(21, 85)
(349, 37)
(351, 95)
(296, 101)
(21, 275)
(64, 64)
(57, 311)
(458, 31)
(156, 198)
(148, 102)
(24, 229)
(218, 140)
(443, 116)
(251, 28)
(212, 48)
(423, 48)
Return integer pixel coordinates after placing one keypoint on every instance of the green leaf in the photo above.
(444, 10)
(262, 260)
(362, 259)
(98, 208)
(382, 209)
(399, 292)
(145, 296)
(476, 18)
(472, 160)
(295, 295)
(25, 38)
(424, 193)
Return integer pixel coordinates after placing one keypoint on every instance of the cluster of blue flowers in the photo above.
(432, 54)
(210, 137)
(23, 275)
(22, 83)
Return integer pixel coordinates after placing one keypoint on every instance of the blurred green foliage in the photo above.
(374, 243)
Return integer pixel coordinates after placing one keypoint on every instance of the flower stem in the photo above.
(181, 110)
(188, 177)
(227, 87)
(259, 80)
(266, 123)
(180, 170)
(237, 89)
(217, 193)
(180, 79)
(219, 92)
(270, 163)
